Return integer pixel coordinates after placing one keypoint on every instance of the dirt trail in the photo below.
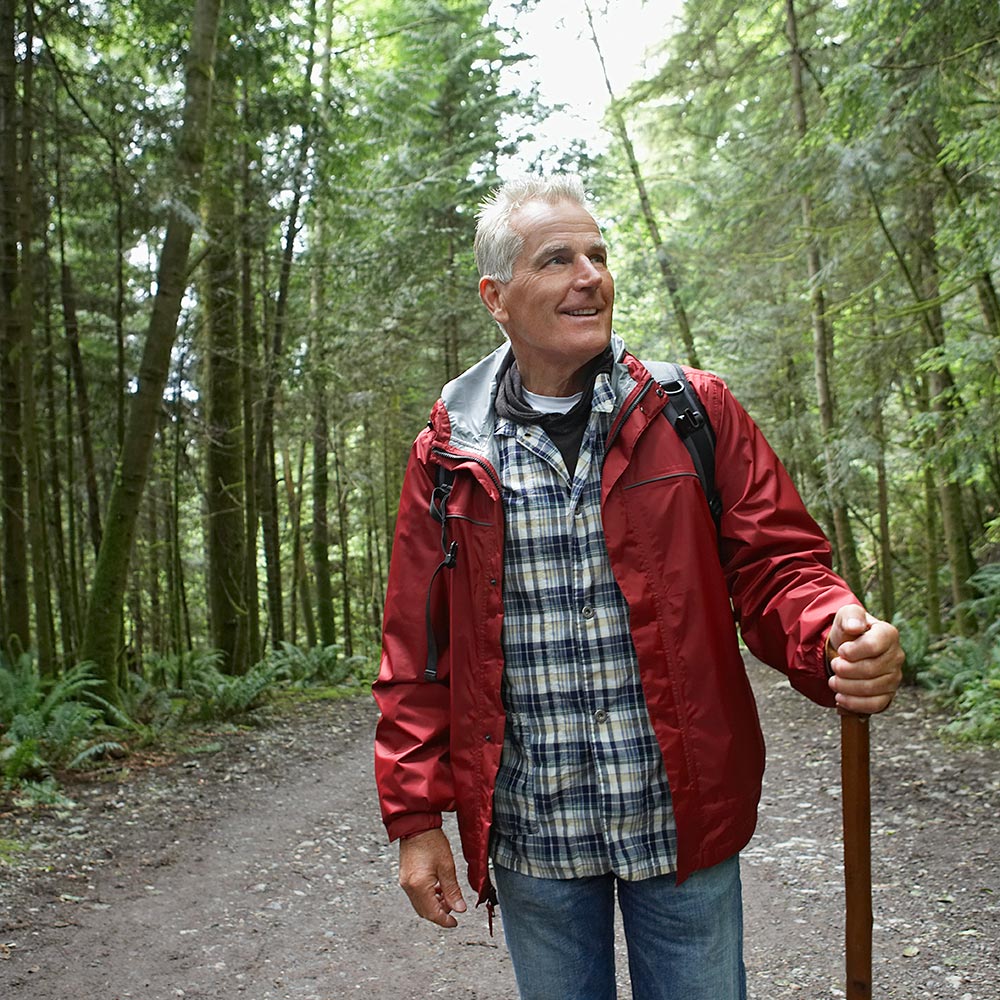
(260, 871)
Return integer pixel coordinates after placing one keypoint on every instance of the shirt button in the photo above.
(600, 715)
(587, 612)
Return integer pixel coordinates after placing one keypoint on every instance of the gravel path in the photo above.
(260, 871)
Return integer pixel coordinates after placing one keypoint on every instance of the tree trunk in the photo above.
(847, 555)
(82, 406)
(320, 540)
(943, 401)
(156, 630)
(345, 572)
(120, 409)
(301, 591)
(16, 636)
(932, 546)
(250, 382)
(179, 618)
(68, 610)
(265, 466)
(886, 567)
(37, 533)
(224, 448)
(71, 330)
(320, 519)
(74, 543)
(267, 504)
(101, 639)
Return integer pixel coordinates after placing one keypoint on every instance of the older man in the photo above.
(572, 685)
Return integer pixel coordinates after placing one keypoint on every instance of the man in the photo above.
(572, 685)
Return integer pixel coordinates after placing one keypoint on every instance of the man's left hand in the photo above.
(866, 659)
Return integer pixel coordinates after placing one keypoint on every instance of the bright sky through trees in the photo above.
(565, 63)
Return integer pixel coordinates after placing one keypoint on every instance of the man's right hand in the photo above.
(427, 875)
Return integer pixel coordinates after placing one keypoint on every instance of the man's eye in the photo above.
(557, 259)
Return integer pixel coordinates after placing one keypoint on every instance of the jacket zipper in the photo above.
(481, 462)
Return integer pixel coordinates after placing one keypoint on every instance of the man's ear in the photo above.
(491, 292)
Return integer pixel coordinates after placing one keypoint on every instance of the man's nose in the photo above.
(586, 272)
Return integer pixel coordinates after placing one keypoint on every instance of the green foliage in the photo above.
(386, 126)
(915, 638)
(966, 676)
(212, 695)
(320, 665)
(965, 671)
(32, 794)
(145, 708)
(10, 849)
(49, 725)
(171, 672)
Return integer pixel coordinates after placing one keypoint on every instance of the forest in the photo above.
(236, 268)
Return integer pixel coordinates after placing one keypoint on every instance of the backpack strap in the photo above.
(687, 416)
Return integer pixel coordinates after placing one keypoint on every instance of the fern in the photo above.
(965, 671)
(21, 688)
(319, 665)
(50, 725)
(22, 759)
(214, 695)
(103, 748)
(41, 793)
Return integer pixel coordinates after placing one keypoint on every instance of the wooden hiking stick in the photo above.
(856, 800)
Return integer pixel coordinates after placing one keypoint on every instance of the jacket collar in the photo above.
(469, 399)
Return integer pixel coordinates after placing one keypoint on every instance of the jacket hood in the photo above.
(467, 402)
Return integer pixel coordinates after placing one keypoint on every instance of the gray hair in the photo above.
(497, 243)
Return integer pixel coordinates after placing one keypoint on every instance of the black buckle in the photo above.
(689, 421)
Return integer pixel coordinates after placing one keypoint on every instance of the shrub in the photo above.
(49, 724)
(319, 665)
(213, 695)
(965, 671)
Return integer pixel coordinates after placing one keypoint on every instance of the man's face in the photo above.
(557, 306)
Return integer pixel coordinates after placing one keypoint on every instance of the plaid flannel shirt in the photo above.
(582, 789)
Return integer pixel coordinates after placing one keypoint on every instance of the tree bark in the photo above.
(345, 571)
(248, 373)
(68, 611)
(71, 328)
(301, 590)
(265, 465)
(932, 546)
(37, 528)
(320, 541)
(101, 639)
(224, 448)
(16, 624)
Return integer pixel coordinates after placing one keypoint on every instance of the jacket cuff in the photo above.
(410, 824)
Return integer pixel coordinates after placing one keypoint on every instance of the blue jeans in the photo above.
(685, 942)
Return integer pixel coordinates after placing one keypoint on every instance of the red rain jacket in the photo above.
(438, 744)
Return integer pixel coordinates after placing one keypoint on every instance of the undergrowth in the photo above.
(964, 671)
(48, 726)
(52, 726)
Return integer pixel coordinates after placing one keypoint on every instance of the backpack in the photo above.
(687, 417)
